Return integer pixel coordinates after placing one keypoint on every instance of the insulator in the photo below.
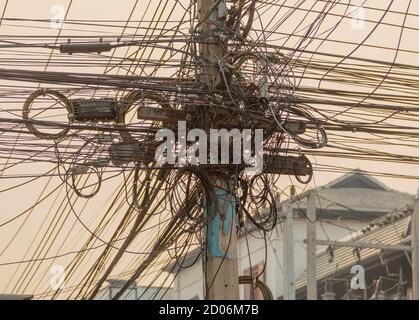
(264, 89)
(98, 47)
(124, 153)
(86, 110)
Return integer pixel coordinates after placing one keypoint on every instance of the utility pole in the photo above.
(213, 76)
(415, 249)
(221, 265)
(311, 246)
(288, 251)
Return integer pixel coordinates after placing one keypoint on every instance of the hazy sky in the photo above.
(16, 201)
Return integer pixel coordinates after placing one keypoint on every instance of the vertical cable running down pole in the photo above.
(221, 265)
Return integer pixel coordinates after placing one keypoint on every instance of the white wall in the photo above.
(189, 282)
(273, 277)
(136, 293)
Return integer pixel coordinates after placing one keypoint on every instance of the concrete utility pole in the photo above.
(221, 265)
(415, 249)
(311, 246)
(222, 274)
(288, 251)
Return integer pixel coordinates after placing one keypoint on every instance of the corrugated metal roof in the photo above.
(363, 204)
(344, 198)
(384, 231)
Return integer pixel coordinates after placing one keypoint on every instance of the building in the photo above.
(343, 207)
(386, 273)
(135, 292)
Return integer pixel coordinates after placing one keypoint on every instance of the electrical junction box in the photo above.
(94, 110)
(124, 153)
